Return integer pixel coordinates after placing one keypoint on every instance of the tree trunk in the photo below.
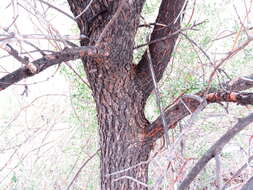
(120, 108)
(118, 89)
(121, 128)
(119, 101)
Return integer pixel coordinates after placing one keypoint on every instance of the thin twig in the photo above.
(218, 171)
(237, 173)
(129, 168)
(222, 61)
(200, 48)
(77, 74)
(215, 149)
(158, 99)
(131, 178)
(86, 8)
(59, 10)
(80, 169)
(228, 35)
(169, 35)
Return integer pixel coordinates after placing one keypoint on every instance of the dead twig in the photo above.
(80, 169)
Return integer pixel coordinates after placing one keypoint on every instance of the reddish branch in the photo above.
(240, 83)
(179, 111)
(47, 61)
(237, 97)
(172, 115)
(223, 60)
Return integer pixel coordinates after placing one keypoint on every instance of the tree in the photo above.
(121, 89)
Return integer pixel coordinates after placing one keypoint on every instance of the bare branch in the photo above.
(170, 35)
(49, 60)
(24, 60)
(161, 50)
(59, 10)
(248, 185)
(218, 171)
(238, 172)
(228, 35)
(15, 54)
(84, 10)
(80, 169)
(180, 110)
(131, 178)
(13, 37)
(223, 60)
(215, 149)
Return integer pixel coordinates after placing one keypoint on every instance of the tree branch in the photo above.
(172, 115)
(215, 149)
(240, 83)
(237, 173)
(179, 110)
(170, 14)
(114, 30)
(242, 98)
(57, 9)
(248, 185)
(118, 35)
(49, 60)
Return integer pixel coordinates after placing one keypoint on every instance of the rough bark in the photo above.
(120, 89)
(170, 14)
(119, 102)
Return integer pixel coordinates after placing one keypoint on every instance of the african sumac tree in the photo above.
(121, 88)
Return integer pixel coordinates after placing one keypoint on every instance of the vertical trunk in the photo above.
(121, 129)
(120, 151)
(119, 101)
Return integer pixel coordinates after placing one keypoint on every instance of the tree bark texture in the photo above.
(120, 89)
